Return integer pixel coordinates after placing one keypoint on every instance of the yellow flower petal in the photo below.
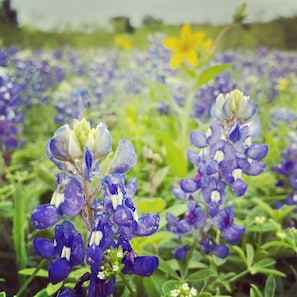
(207, 45)
(176, 60)
(186, 32)
(172, 43)
(191, 57)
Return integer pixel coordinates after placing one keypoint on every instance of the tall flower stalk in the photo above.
(104, 201)
(225, 153)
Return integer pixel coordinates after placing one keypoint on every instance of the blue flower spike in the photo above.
(222, 156)
(104, 200)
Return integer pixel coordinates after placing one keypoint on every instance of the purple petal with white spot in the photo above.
(123, 216)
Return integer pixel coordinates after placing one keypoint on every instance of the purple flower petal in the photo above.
(221, 251)
(58, 145)
(77, 248)
(123, 216)
(198, 139)
(239, 187)
(87, 165)
(147, 225)
(103, 141)
(124, 158)
(235, 134)
(188, 185)
(44, 248)
(145, 265)
(257, 151)
(179, 193)
(58, 270)
(44, 216)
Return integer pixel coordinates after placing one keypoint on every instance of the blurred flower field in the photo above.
(170, 171)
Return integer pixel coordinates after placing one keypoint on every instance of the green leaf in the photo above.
(19, 225)
(150, 287)
(240, 253)
(30, 271)
(139, 243)
(2, 294)
(277, 244)
(204, 294)
(41, 293)
(77, 273)
(175, 157)
(270, 285)
(264, 263)
(188, 71)
(169, 286)
(255, 292)
(267, 271)
(249, 254)
(240, 14)
(203, 274)
(209, 74)
(151, 205)
(51, 289)
(164, 267)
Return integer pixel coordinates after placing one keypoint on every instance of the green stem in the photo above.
(185, 120)
(29, 280)
(238, 276)
(130, 289)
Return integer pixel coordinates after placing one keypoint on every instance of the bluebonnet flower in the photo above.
(225, 153)
(67, 249)
(72, 104)
(287, 171)
(111, 218)
(11, 113)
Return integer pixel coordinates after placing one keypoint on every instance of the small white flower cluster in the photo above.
(183, 291)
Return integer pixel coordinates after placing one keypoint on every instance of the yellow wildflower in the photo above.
(122, 41)
(185, 47)
(283, 84)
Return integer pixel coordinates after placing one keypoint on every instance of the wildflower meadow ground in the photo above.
(170, 171)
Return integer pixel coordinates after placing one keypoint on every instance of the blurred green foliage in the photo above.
(280, 33)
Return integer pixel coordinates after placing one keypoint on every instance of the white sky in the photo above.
(46, 14)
